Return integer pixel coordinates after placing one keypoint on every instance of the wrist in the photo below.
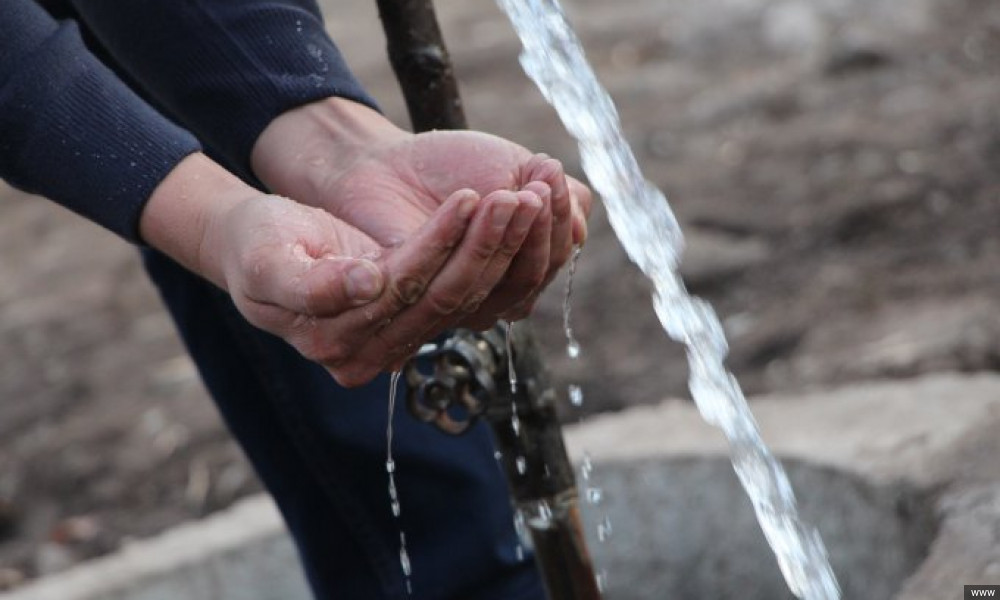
(184, 214)
(301, 150)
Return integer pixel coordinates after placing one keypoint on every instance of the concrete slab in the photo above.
(912, 475)
(911, 430)
(901, 477)
(243, 553)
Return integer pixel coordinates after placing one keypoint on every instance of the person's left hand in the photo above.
(349, 160)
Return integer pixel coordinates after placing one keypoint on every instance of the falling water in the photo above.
(390, 468)
(515, 420)
(649, 233)
(509, 343)
(572, 346)
(594, 496)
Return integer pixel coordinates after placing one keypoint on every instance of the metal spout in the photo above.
(470, 381)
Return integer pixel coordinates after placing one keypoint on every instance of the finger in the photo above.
(475, 268)
(474, 311)
(582, 199)
(289, 277)
(406, 271)
(550, 172)
(527, 270)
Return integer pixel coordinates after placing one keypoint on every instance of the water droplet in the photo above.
(404, 556)
(602, 581)
(522, 465)
(521, 529)
(509, 343)
(498, 455)
(572, 346)
(575, 395)
(604, 530)
(519, 553)
(594, 496)
(390, 468)
(515, 422)
(586, 467)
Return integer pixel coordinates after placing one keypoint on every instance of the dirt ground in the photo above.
(835, 163)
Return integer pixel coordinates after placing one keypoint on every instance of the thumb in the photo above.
(330, 285)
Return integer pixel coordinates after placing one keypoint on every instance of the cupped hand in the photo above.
(349, 303)
(353, 163)
(340, 297)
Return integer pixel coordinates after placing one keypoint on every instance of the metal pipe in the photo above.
(422, 65)
(470, 381)
(471, 370)
(541, 475)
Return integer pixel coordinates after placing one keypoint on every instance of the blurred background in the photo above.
(835, 165)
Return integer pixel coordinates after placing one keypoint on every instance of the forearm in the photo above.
(302, 150)
(71, 130)
(224, 69)
(184, 210)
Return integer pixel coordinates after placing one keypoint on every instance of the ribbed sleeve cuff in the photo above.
(72, 131)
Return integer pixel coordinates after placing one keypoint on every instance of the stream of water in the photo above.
(648, 231)
(390, 469)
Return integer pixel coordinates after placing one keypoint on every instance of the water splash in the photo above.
(651, 236)
(572, 345)
(390, 468)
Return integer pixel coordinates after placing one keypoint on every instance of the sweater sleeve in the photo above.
(223, 68)
(71, 130)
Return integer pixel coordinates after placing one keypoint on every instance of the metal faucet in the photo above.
(469, 374)
(469, 379)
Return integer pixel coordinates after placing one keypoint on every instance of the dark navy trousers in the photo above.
(320, 450)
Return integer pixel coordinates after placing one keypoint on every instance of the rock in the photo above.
(849, 60)
(960, 334)
(11, 578)
(8, 519)
(710, 257)
(793, 27)
(52, 557)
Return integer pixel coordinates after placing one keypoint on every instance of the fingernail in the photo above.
(363, 283)
(467, 205)
(502, 212)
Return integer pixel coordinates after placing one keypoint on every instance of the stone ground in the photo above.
(834, 163)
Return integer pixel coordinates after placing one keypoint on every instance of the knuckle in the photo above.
(444, 303)
(476, 300)
(407, 289)
(482, 252)
(533, 278)
(522, 310)
(308, 295)
(509, 250)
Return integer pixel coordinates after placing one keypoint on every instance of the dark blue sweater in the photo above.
(71, 130)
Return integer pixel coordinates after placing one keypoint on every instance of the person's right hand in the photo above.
(332, 292)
